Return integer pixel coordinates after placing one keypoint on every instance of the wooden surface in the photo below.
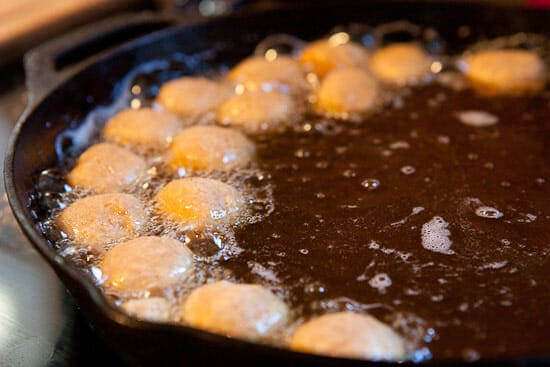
(26, 23)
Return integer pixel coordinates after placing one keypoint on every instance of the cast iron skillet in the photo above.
(70, 77)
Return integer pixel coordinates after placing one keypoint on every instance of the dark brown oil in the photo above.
(491, 298)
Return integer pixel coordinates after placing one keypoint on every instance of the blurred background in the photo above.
(25, 23)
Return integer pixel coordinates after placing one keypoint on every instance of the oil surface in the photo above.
(432, 215)
(330, 238)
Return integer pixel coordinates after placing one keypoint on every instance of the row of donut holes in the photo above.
(258, 95)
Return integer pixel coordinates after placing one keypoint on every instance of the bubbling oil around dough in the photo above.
(216, 245)
(211, 246)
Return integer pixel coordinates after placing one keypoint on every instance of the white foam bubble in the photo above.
(526, 218)
(373, 245)
(417, 209)
(380, 281)
(477, 118)
(495, 265)
(435, 236)
(408, 170)
(489, 212)
(267, 274)
(401, 144)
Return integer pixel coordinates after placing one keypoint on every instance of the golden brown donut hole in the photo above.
(192, 96)
(324, 56)
(106, 168)
(237, 310)
(401, 64)
(349, 335)
(154, 309)
(258, 111)
(144, 127)
(347, 90)
(257, 73)
(96, 221)
(196, 203)
(210, 148)
(505, 72)
(146, 264)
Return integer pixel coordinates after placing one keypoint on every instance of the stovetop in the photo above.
(40, 324)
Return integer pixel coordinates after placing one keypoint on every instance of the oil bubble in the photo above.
(489, 212)
(322, 164)
(408, 170)
(349, 173)
(302, 153)
(380, 281)
(477, 118)
(370, 184)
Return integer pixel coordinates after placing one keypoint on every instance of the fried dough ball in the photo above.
(106, 168)
(401, 64)
(244, 311)
(505, 72)
(197, 202)
(349, 335)
(210, 148)
(148, 263)
(145, 128)
(258, 111)
(257, 73)
(98, 220)
(349, 90)
(324, 56)
(192, 96)
(151, 309)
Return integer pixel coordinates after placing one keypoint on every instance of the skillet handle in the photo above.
(49, 64)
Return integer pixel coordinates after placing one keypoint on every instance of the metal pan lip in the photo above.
(114, 315)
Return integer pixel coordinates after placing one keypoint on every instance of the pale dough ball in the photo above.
(258, 111)
(98, 220)
(192, 96)
(210, 148)
(155, 309)
(105, 168)
(146, 264)
(401, 64)
(323, 56)
(349, 90)
(506, 72)
(197, 202)
(257, 73)
(349, 335)
(144, 127)
(237, 310)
